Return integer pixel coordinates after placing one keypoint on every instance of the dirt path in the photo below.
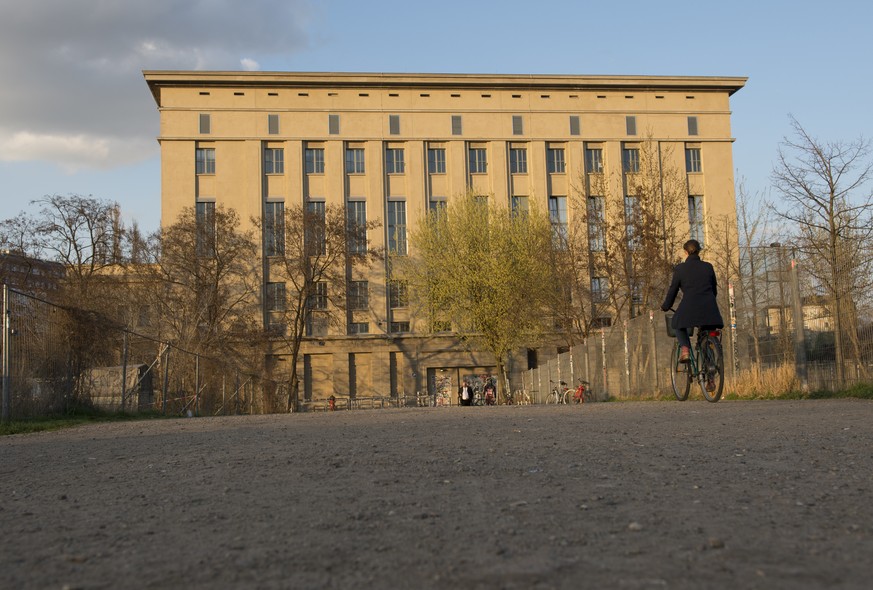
(631, 495)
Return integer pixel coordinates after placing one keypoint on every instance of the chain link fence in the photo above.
(57, 359)
(786, 329)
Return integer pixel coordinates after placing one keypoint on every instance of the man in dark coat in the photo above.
(696, 279)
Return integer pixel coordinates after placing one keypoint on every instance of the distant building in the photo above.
(395, 146)
(30, 275)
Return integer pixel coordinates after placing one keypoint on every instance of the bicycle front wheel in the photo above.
(552, 398)
(680, 376)
(711, 369)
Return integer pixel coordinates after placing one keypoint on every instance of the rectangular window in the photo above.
(436, 160)
(275, 297)
(359, 295)
(318, 297)
(575, 127)
(631, 124)
(394, 161)
(518, 161)
(355, 161)
(594, 160)
(316, 324)
(273, 124)
(695, 218)
(274, 161)
(397, 227)
(394, 124)
(520, 205)
(517, 125)
(205, 124)
(333, 124)
(205, 222)
(558, 217)
(274, 228)
(599, 289)
(478, 161)
(692, 160)
(357, 227)
(596, 229)
(630, 160)
(457, 128)
(555, 160)
(359, 328)
(314, 160)
(631, 221)
(205, 160)
(398, 294)
(692, 125)
(398, 327)
(314, 233)
(437, 205)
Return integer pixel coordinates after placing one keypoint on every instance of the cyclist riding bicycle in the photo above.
(698, 308)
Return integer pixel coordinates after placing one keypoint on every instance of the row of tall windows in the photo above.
(314, 163)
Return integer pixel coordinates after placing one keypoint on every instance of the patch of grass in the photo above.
(70, 420)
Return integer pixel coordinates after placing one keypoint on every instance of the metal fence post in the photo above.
(166, 380)
(653, 342)
(124, 354)
(627, 387)
(732, 303)
(196, 384)
(603, 363)
(7, 320)
(799, 334)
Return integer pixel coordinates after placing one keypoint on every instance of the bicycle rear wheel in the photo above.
(711, 369)
(681, 380)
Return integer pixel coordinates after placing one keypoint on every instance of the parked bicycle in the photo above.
(705, 365)
(519, 397)
(582, 393)
(560, 393)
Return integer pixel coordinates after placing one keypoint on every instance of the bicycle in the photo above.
(582, 393)
(705, 365)
(518, 397)
(560, 394)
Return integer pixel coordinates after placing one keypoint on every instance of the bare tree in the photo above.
(756, 231)
(203, 282)
(630, 222)
(825, 186)
(314, 251)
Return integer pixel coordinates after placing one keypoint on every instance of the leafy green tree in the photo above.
(484, 270)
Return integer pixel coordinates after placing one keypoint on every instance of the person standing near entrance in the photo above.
(698, 308)
(465, 394)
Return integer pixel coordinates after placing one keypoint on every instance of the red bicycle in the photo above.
(579, 396)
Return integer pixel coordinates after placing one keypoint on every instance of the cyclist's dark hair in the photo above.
(692, 247)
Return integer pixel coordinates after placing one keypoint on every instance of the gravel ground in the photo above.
(618, 495)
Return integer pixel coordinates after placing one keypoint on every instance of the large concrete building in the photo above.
(393, 146)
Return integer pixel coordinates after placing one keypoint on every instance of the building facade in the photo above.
(393, 147)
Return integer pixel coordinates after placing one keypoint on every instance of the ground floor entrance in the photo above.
(443, 383)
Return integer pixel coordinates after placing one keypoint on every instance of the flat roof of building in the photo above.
(157, 79)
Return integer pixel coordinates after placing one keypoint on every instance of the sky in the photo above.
(76, 116)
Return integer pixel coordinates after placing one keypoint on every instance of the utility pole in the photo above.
(7, 328)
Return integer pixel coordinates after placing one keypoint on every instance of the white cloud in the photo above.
(74, 152)
(250, 65)
(73, 91)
